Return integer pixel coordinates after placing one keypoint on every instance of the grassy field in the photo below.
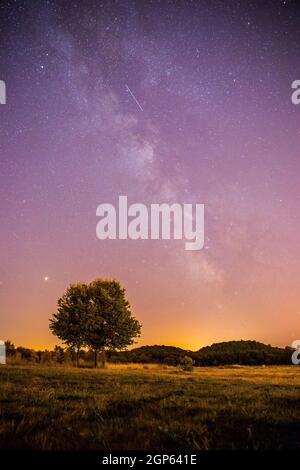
(136, 407)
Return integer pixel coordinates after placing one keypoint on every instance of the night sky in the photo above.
(212, 122)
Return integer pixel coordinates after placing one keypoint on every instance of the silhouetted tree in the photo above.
(10, 348)
(96, 315)
(59, 354)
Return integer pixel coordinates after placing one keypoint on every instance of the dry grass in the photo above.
(140, 407)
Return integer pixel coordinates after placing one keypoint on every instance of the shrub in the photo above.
(187, 363)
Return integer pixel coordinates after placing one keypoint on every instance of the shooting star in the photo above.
(128, 89)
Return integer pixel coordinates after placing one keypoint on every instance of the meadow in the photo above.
(149, 407)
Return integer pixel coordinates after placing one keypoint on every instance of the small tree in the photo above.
(58, 354)
(10, 348)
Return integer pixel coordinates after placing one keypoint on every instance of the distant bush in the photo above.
(187, 364)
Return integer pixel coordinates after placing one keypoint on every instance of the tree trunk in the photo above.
(77, 357)
(103, 359)
(95, 358)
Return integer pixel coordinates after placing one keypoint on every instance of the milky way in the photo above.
(186, 102)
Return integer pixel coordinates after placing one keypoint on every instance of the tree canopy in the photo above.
(96, 315)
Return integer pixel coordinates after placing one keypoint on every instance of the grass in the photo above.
(151, 407)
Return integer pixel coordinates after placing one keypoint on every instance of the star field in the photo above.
(174, 101)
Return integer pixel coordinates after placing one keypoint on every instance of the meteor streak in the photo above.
(128, 89)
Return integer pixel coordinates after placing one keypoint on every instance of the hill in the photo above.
(225, 353)
(243, 353)
(157, 354)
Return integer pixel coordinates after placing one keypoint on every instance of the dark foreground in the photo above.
(133, 407)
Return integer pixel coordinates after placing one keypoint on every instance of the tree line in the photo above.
(221, 354)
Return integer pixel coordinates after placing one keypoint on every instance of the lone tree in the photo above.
(96, 315)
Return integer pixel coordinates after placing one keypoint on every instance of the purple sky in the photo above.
(214, 125)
